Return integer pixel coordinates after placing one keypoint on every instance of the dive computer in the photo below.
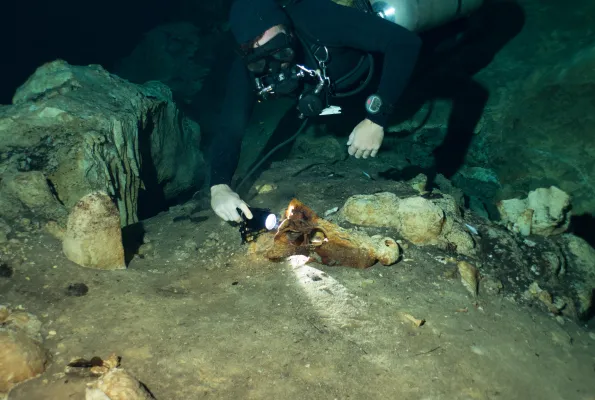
(373, 104)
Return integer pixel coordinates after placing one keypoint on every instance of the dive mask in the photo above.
(270, 57)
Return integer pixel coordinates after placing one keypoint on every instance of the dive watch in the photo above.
(373, 104)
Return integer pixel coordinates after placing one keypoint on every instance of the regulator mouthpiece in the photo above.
(263, 220)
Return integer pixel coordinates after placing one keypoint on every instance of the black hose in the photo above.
(277, 147)
(363, 85)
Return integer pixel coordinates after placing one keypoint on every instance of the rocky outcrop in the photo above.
(22, 355)
(581, 262)
(545, 212)
(72, 130)
(115, 383)
(434, 219)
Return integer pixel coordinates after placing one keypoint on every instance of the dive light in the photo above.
(263, 220)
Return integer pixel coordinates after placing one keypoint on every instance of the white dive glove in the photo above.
(225, 202)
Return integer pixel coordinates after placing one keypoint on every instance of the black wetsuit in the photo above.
(339, 28)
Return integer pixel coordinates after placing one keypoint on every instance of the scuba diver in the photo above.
(314, 50)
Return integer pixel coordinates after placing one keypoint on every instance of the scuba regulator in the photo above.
(275, 73)
(285, 82)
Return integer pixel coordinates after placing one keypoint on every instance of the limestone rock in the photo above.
(79, 129)
(419, 183)
(545, 212)
(115, 383)
(581, 264)
(419, 220)
(32, 190)
(93, 235)
(551, 211)
(469, 277)
(10, 207)
(378, 209)
(456, 236)
(22, 355)
(434, 220)
(55, 230)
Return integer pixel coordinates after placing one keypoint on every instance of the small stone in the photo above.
(191, 245)
(367, 282)
(592, 335)
(4, 313)
(52, 333)
(77, 289)
(331, 211)
(266, 188)
(6, 270)
(491, 285)
(469, 276)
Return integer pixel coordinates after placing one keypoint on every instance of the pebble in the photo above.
(592, 335)
(77, 289)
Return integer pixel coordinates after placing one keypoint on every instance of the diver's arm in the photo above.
(341, 26)
(234, 117)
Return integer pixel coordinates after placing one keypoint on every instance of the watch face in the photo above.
(373, 104)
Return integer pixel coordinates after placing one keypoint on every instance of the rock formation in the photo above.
(22, 355)
(435, 219)
(72, 130)
(545, 212)
(93, 235)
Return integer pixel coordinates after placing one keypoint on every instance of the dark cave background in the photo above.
(82, 33)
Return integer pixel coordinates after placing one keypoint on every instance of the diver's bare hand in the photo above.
(366, 139)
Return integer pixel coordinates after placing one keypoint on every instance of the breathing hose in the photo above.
(273, 150)
(362, 85)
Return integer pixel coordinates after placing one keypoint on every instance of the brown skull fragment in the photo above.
(302, 232)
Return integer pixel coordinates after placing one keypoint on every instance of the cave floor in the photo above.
(193, 317)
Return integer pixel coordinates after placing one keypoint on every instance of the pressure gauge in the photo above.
(373, 104)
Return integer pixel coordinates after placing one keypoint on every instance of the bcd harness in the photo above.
(318, 87)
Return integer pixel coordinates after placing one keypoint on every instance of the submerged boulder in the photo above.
(93, 235)
(22, 355)
(72, 130)
(423, 220)
(545, 212)
(581, 259)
